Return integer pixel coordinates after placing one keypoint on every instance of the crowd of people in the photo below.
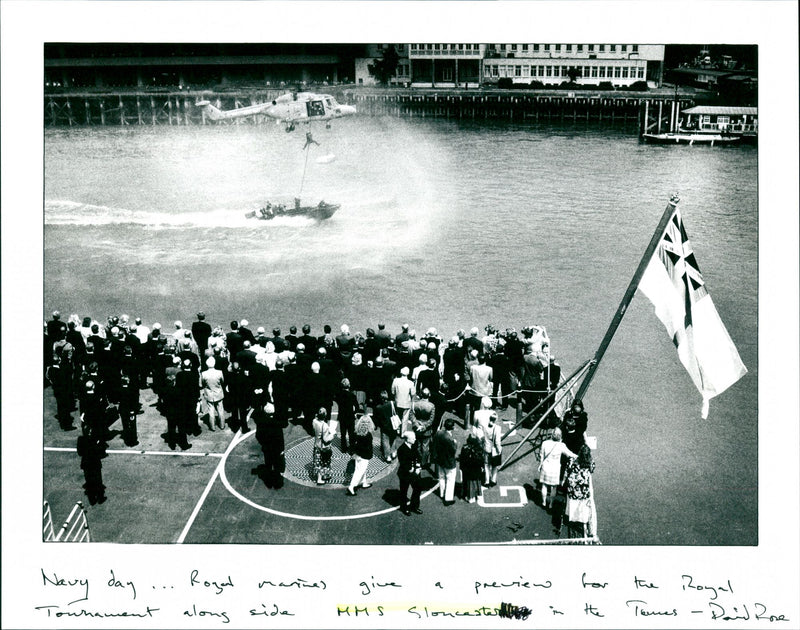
(400, 385)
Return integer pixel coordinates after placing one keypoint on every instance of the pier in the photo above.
(649, 111)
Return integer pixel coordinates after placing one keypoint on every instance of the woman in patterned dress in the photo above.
(580, 499)
(323, 437)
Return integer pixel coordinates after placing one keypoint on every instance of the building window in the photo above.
(569, 47)
(503, 47)
(594, 72)
(437, 46)
(429, 46)
(557, 71)
(579, 47)
(616, 72)
(601, 47)
(513, 47)
(635, 48)
(517, 71)
(547, 47)
(624, 47)
(624, 72)
(447, 74)
(495, 71)
(641, 72)
(524, 47)
(536, 48)
(526, 71)
(591, 47)
(586, 71)
(612, 48)
(602, 72)
(558, 47)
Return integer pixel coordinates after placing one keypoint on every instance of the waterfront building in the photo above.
(428, 65)
(118, 65)
(714, 119)
(620, 65)
(446, 65)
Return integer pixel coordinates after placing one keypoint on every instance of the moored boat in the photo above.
(680, 137)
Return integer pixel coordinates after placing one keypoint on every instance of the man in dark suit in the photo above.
(282, 393)
(246, 357)
(291, 338)
(383, 336)
(246, 333)
(408, 470)
(444, 456)
(201, 331)
(234, 340)
(278, 341)
(187, 391)
(330, 376)
(345, 345)
(308, 340)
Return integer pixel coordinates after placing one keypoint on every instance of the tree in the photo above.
(385, 68)
(574, 74)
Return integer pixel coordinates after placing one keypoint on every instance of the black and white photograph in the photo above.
(447, 245)
(503, 297)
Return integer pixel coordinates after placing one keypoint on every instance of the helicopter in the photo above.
(289, 109)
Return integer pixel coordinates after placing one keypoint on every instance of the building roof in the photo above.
(713, 72)
(724, 111)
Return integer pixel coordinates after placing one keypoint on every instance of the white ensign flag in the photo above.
(673, 283)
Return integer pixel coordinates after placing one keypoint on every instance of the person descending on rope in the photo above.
(309, 140)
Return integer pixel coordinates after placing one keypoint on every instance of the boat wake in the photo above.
(62, 212)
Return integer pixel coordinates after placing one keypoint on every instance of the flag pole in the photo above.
(669, 212)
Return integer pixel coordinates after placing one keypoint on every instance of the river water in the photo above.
(447, 224)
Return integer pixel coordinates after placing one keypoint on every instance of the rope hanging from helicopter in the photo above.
(305, 166)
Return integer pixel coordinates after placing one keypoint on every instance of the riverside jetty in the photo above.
(649, 109)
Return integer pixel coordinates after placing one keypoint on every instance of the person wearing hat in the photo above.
(61, 381)
(201, 331)
(362, 450)
(470, 460)
(187, 349)
(408, 471)
(55, 327)
(492, 449)
(91, 448)
(282, 393)
(187, 394)
(421, 416)
(402, 337)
